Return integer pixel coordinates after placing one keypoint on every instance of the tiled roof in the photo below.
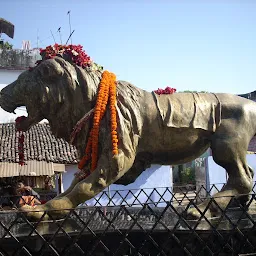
(31, 168)
(39, 145)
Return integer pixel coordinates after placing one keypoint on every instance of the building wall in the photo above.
(7, 77)
(18, 59)
(12, 64)
(156, 176)
(217, 175)
(251, 96)
(146, 180)
(68, 175)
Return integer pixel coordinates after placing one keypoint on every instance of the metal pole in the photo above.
(53, 37)
(69, 26)
(70, 36)
(37, 39)
(59, 34)
(109, 195)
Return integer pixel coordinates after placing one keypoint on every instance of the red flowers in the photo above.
(72, 53)
(21, 139)
(167, 90)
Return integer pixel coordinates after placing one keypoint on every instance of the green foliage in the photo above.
(195, 91)
(188, 175)
(6, 45)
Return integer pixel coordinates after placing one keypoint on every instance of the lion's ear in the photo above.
(50, 70)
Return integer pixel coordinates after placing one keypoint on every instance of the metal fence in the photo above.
(139, 228)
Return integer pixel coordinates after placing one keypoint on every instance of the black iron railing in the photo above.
(142, 228)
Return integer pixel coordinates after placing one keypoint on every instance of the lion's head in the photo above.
(55, 90)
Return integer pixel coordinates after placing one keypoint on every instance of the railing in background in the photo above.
(135, 229)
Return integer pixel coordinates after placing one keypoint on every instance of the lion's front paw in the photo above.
(56, 208)
(194, 214)
(35, 212)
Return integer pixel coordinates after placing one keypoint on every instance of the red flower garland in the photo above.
(72, 53)
(75, 53)
(21, 138)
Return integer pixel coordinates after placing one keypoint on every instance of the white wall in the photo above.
(68, 176)
(7, 77)
(157, 176)
(217, 175)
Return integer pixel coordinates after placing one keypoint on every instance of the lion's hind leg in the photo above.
(229, 151)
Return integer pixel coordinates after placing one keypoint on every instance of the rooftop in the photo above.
(40, 145)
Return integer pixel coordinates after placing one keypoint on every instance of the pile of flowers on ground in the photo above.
(167, 90)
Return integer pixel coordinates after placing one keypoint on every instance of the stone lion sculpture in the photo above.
(152, 129)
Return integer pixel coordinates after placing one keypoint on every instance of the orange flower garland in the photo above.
(112, 93)
(107, 90)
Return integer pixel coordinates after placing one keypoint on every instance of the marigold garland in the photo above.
(106, 93)
(112, 93)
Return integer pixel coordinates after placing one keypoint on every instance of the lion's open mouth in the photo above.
(7, 104)
(24, 124)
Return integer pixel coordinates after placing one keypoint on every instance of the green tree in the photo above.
(194, 91)
(5, 45)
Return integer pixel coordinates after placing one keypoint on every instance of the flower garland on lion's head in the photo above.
(106, 98)
(72, 53)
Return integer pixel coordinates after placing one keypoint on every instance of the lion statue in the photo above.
(152, 129)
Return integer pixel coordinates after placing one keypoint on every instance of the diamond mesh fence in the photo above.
(135, 223)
